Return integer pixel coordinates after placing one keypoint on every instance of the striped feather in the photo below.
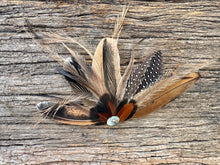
(111, 65)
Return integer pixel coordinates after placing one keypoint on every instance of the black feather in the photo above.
(73, 80)
(76, 65)
(101, 107)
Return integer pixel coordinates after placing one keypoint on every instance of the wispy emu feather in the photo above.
(101, 95)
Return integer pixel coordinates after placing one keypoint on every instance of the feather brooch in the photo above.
(102, 95)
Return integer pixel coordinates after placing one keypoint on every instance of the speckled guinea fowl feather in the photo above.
(144, 74)
(153, 72)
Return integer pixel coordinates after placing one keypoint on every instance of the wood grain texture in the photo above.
(186, 131)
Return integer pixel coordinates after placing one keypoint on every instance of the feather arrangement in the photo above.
(102, 95)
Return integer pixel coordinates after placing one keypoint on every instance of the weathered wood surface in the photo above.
(186, 131)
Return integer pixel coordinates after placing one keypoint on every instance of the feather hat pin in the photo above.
(102, 95)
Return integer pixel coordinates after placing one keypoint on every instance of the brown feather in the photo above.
(166, 80)
(95, 84)
(110, 45)
(161, 98)
(125, 111)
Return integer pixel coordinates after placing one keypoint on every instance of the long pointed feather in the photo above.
(108, 47)
(111, 65)
(97, 62)
(124, 79)
(161, 98)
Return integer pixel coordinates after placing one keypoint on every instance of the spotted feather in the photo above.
(145, 74)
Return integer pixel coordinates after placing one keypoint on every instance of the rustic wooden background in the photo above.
(186, 131)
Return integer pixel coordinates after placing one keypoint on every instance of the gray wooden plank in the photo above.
(186, 131)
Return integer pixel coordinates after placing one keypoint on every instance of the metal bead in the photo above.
(113, 120)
